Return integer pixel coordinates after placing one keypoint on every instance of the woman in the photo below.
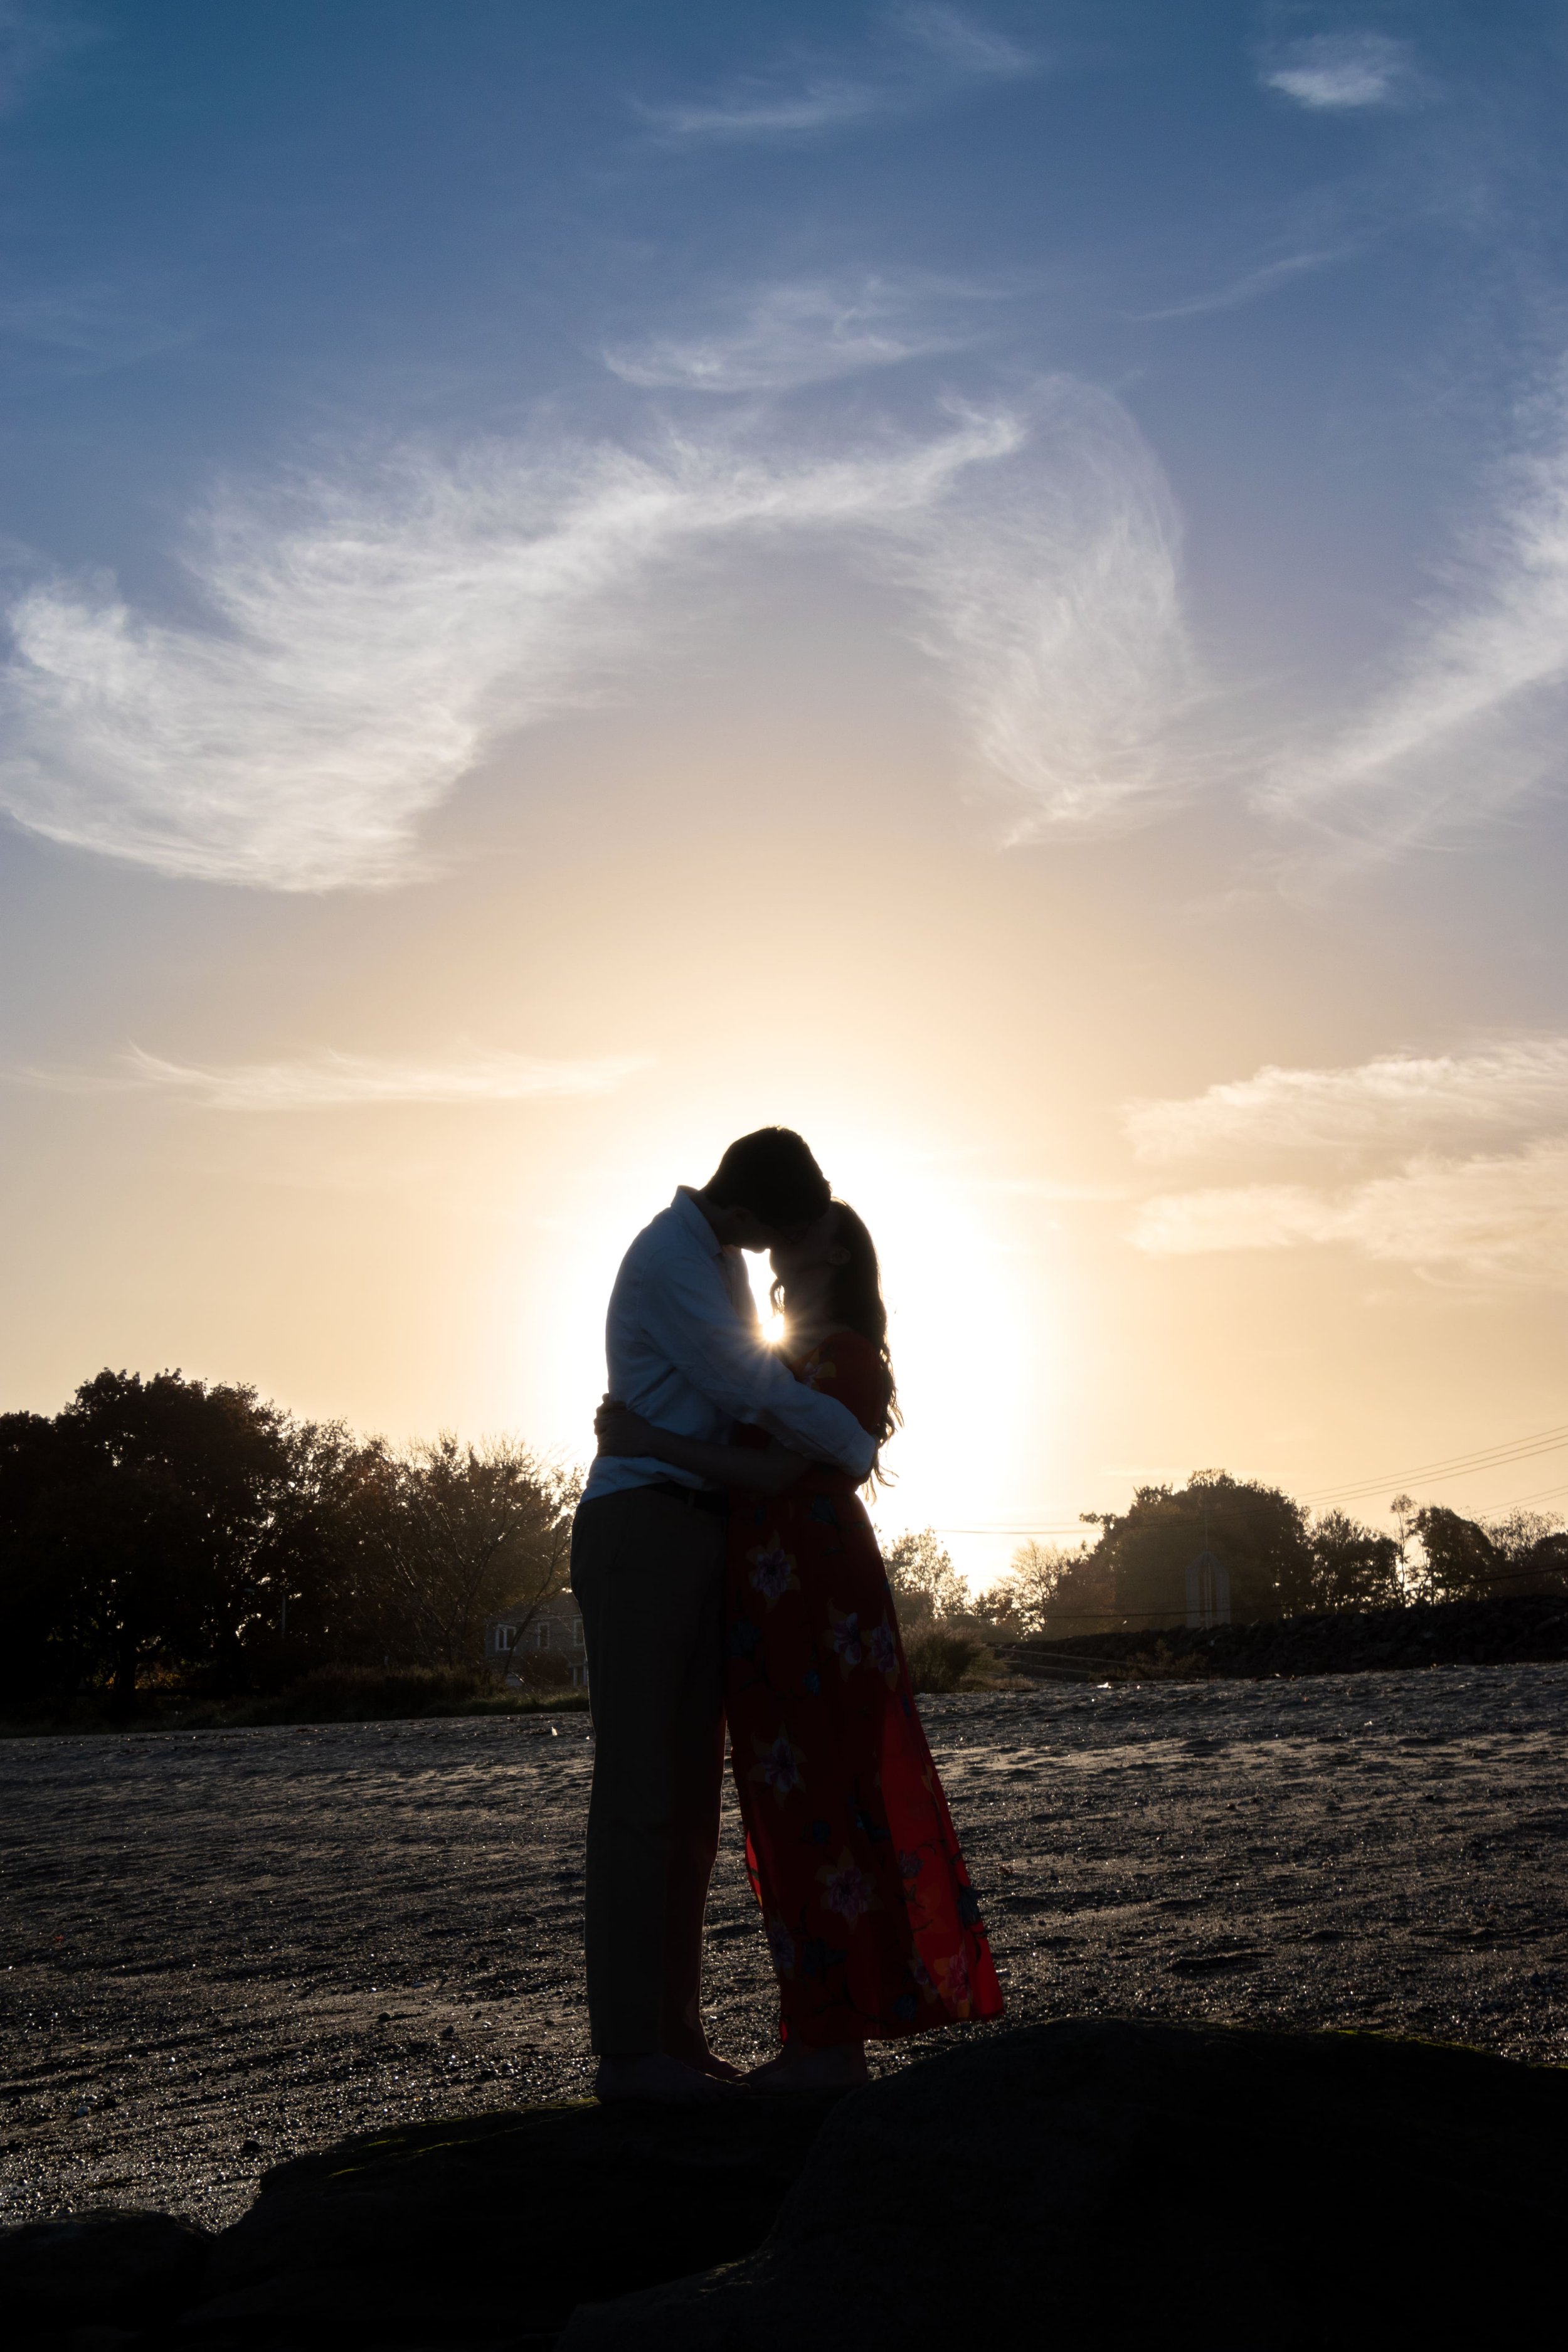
(874, 1928)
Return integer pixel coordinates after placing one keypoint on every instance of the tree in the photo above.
(1045, 1591)
(1481, 1559)
(1462, 1561)
(328, 1598)
(1353, 1567)
(1256, 1533)
(138, 1533)
(1533, 1550)
(927, 1588)
(456, 1535)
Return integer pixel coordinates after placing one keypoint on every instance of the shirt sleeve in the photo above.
(688, 1309)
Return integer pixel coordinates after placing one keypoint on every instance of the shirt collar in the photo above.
(685, 1207)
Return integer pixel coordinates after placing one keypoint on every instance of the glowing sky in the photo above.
(990, 583)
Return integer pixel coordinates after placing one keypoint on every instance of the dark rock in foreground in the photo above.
(1085, 2185)
(1523, 1629)
(491, 2229)
(1076, 2184)
(104, 2269)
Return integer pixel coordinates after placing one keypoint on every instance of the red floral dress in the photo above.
(874, 1927)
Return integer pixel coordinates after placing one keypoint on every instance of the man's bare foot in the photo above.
(718, 2069)
(656, 2076)
(689, 2044)
(841, 2067)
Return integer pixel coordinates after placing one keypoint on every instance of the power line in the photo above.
(1442, 1472)
(1542, 1495)
(1486, 1457)
(1028, 1527)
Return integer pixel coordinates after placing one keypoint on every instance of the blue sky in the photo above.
(1114, 454)
(1309, 265)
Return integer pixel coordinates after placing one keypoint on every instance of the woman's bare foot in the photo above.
(656, 2076)
(841, 2067)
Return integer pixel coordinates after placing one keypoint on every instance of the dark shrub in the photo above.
(540, 1670)
(939, 1661)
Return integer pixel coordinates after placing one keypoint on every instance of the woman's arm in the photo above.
(620, 1431)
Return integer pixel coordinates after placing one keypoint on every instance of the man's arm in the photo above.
(748, 1467)
(690, 1316)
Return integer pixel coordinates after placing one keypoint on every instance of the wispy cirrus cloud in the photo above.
(1492, 1215)
(328, 1080)
(925, 52)
(375, 631)
(1397, 1100)
(809, 332)
(1343, 72)
(1472, 718)
(1251, 286)
(1055, 593)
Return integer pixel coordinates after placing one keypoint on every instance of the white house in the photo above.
(555, 1627)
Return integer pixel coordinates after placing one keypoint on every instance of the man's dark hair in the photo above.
(772, 1174)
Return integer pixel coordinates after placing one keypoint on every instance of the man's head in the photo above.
(766, 1188)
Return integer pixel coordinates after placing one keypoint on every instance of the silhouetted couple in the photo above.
(725, 1566)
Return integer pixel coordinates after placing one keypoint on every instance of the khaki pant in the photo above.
(647, 1572)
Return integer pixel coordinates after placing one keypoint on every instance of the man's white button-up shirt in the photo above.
(683, 1349)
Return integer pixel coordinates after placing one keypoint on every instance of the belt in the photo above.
(693, 1498)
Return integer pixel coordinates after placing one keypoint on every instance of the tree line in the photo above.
(1281, 1559)
(163, 1533)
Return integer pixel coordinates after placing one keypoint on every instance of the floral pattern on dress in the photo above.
(884, 1648)
(844, 1636)
(778, 1766)
(847, 1889)
(773, 1571)
(874, 1927)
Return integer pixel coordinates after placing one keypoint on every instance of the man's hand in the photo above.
(621, 1431)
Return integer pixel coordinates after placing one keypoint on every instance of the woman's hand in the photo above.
(619, 1430)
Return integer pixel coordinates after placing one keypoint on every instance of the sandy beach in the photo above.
(224, 1948)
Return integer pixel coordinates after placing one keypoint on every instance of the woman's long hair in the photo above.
(855, 1302)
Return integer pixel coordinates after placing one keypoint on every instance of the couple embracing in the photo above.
(725, 1569)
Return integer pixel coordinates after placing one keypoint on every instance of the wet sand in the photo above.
(218, 1948)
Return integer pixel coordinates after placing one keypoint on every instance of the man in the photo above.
(648, 1563)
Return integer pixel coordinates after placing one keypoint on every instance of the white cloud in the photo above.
(374, 635)
(964, 43)
(1394, 1102)
(1493, 1220)
(933, 49)
(375, 631)
(1332, 72)
(758, 109)
(1490, 1217)
(330, 1080)
(1473, 716)
(799, 334)
(1054, 586)
(1250, 287)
